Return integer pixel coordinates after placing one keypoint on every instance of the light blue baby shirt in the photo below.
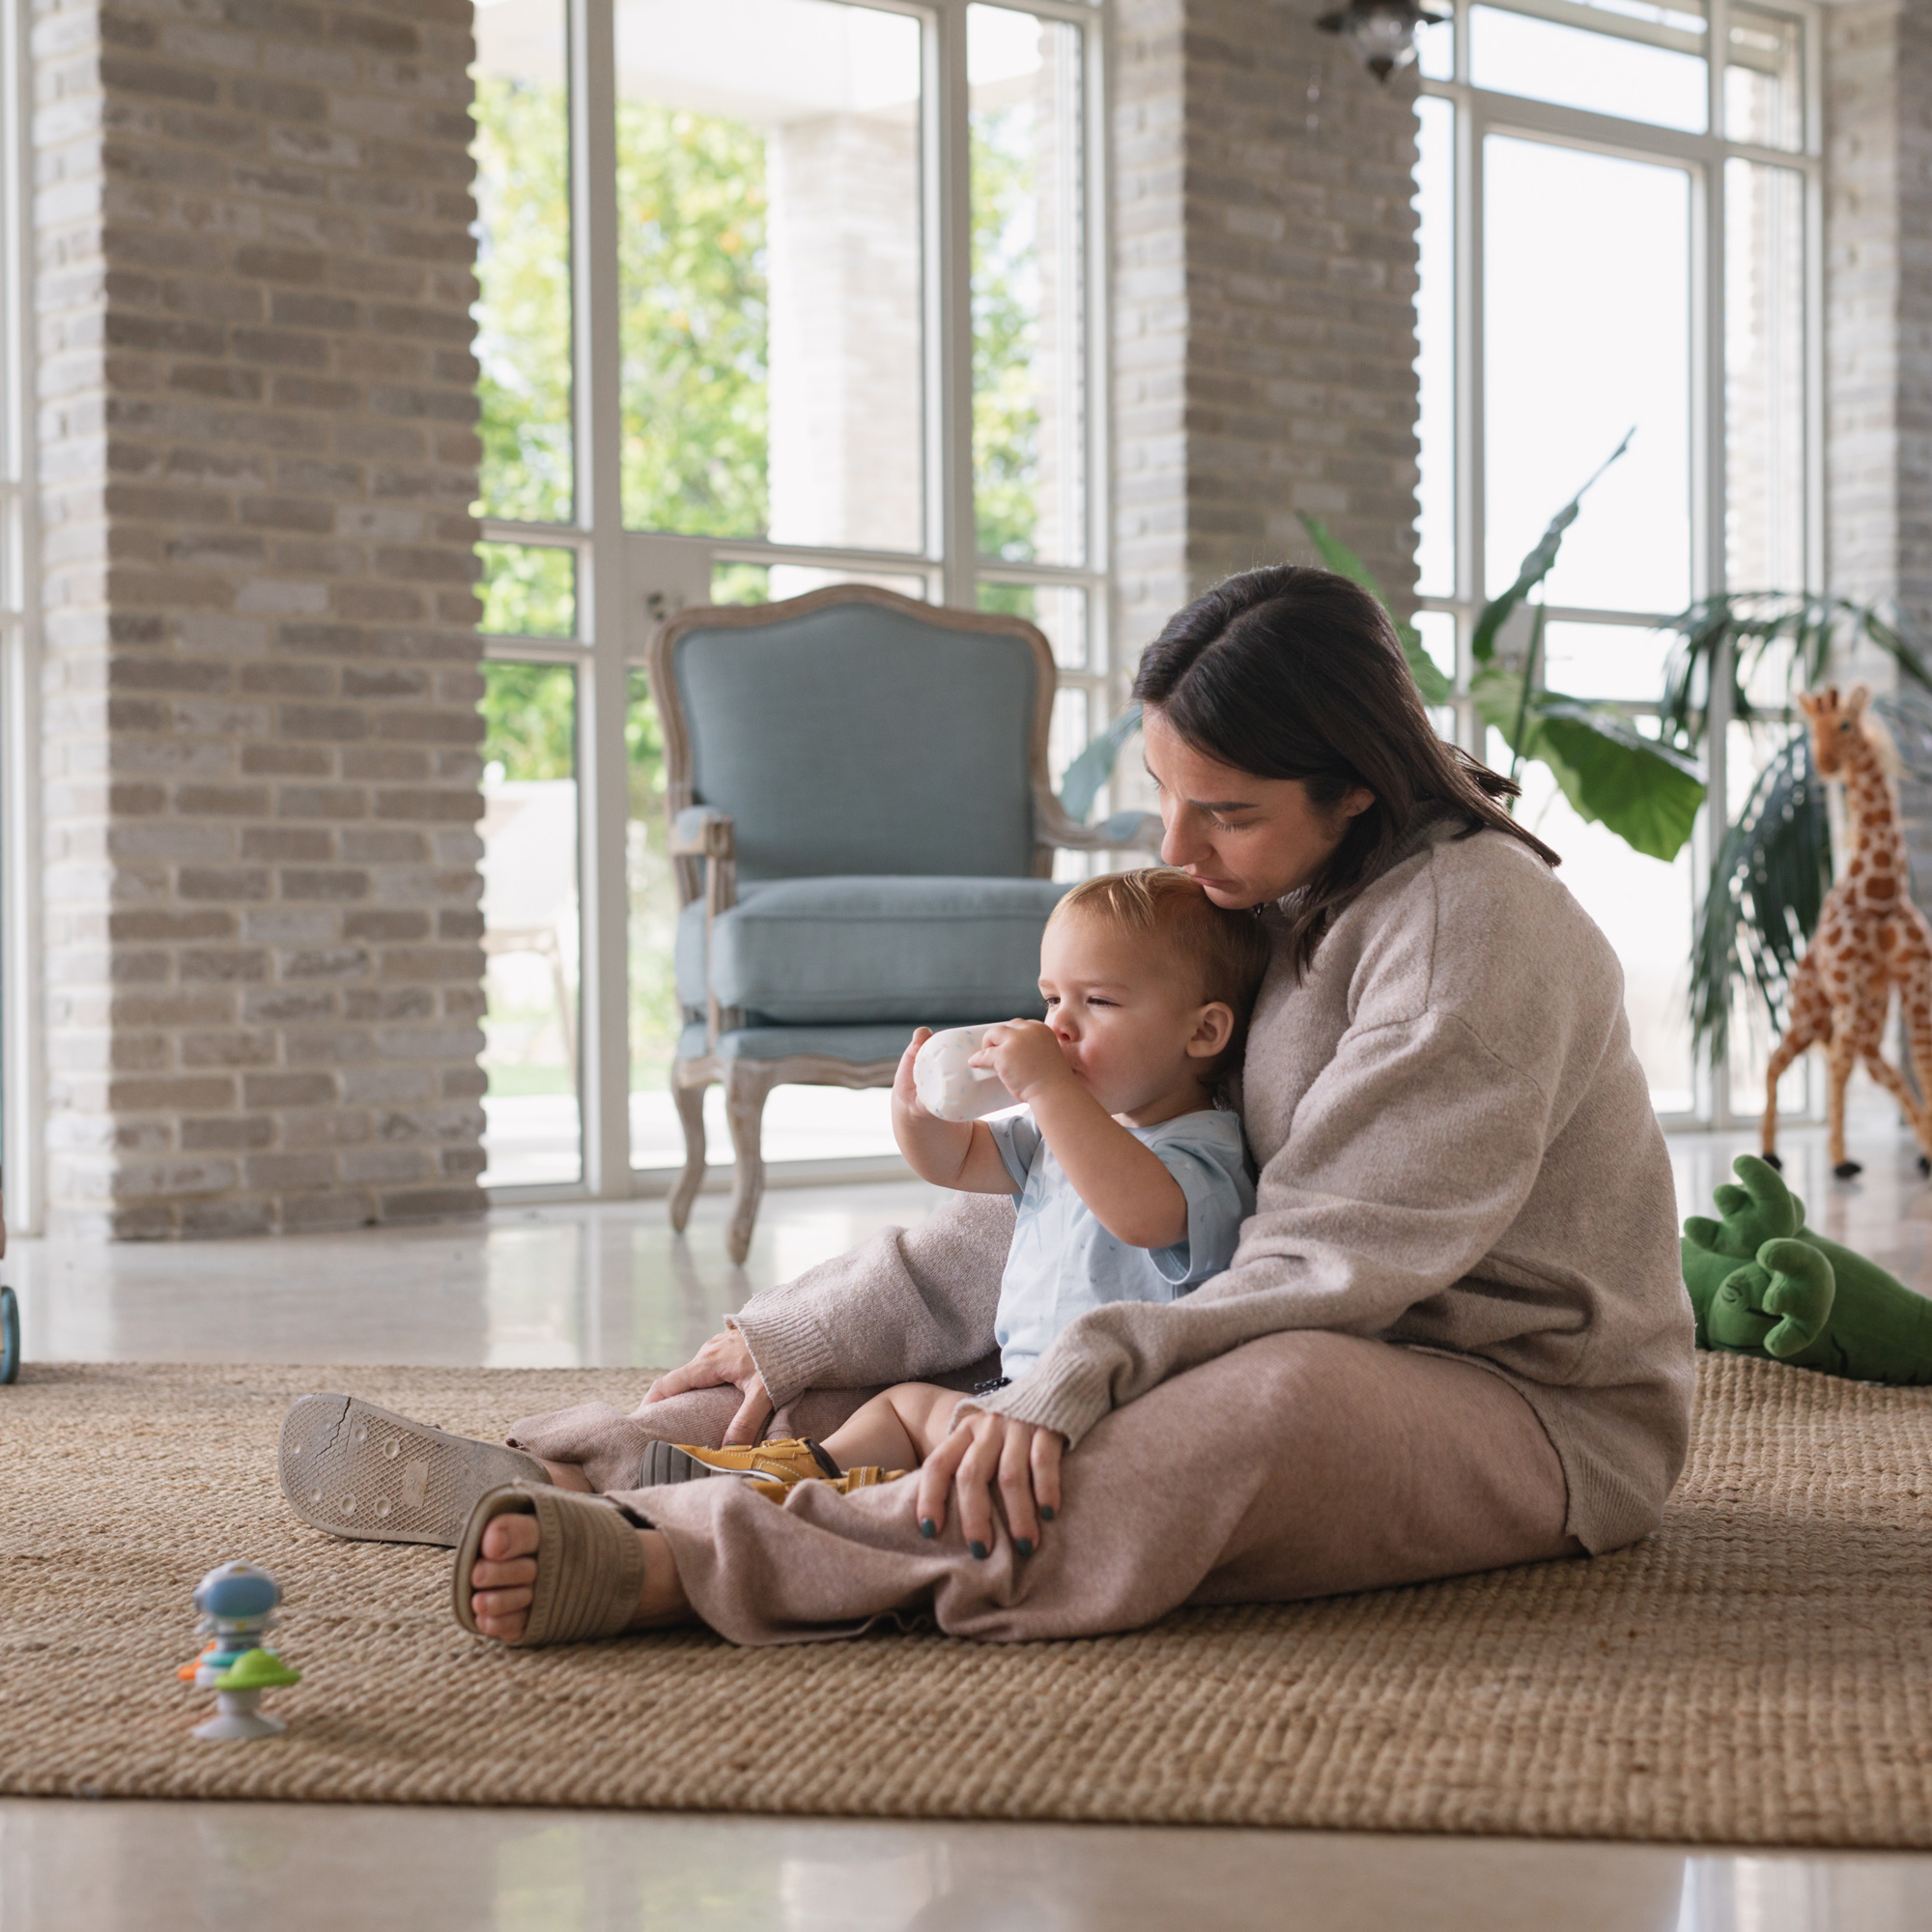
(1063, 1261)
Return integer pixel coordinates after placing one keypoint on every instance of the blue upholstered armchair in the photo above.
(864, 835)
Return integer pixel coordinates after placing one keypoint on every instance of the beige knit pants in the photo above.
(1299, 1466)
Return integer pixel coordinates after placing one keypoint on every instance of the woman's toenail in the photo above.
(928, 1527)
(1023, 1544)
(979, 1550)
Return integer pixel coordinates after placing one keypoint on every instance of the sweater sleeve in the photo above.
(911, 1302)
(1356, 1221)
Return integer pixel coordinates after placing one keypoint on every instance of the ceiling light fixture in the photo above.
(1380, 31)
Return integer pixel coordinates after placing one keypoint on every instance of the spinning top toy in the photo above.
(238, 1603)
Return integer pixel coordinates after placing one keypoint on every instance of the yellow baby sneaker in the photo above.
(788, 1459)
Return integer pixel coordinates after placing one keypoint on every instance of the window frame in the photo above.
(1480, 113)
(628, 580)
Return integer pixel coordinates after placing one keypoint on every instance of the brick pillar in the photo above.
(1265, 280)
(257, 456)
(1878, 239)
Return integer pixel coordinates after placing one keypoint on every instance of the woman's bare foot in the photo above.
(503, 1578)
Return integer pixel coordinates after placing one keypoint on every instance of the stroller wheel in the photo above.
(10, 1335)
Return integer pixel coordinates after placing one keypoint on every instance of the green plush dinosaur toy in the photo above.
(1763, 1284)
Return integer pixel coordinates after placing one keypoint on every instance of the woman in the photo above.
(1454, 1335)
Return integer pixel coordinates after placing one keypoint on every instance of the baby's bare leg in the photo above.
(568, 1476)
(896, 1430)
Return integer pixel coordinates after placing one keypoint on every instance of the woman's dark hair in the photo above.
(1294, 673)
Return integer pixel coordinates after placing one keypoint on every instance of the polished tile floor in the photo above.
(611, 1286)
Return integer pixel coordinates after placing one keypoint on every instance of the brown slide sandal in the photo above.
(590, 1566)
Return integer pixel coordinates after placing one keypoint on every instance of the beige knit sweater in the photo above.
(1457, 1153)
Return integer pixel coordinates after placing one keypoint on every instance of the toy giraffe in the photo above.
(1870, 938)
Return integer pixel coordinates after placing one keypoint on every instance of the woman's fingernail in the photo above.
(1045, 1513)
(1024, 1545)
(928, 1527)
(979, 1550)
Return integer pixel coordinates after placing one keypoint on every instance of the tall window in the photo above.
(1619, 221)
(775, 294)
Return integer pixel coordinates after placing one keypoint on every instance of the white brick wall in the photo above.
(1879, 295)
(1878, 245)
(1265, 277)
(256, 414)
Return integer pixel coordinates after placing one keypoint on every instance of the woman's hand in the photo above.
(981, 1451)
(725, 1359)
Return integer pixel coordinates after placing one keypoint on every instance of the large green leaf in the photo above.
(1094, 766)
(1536, 566)
(1435, 687)
(1767, 886)
(1646, 793)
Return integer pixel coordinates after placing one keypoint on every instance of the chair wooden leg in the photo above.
(746, 1084)
(689, 1094)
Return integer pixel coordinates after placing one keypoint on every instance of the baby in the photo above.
(1131, 1183)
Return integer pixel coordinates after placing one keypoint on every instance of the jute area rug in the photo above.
(1755, 1673)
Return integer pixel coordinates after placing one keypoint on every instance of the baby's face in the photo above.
(1124, 1008)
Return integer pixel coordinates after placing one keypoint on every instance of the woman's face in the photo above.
(1248, 839)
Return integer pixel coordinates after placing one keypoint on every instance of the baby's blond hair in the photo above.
(1229, 949)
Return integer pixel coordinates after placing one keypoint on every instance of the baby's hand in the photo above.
(1026, 1055)
(905, 1089)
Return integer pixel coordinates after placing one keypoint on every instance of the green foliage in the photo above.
(1010, 600)
(645, 758)
(1434, 687)
(1536, 566)
(740, 583)
(1094, 766)
(691, 197)
(1005, 333)
(529, 720)
(1646, 790)
(528, 590)
(1781, 639)
(691, 227)
(1646, 793)
(1767, 886)
(522, 307)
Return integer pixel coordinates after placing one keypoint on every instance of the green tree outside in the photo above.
(691, 224)
(522, 307)
(1005, 340)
